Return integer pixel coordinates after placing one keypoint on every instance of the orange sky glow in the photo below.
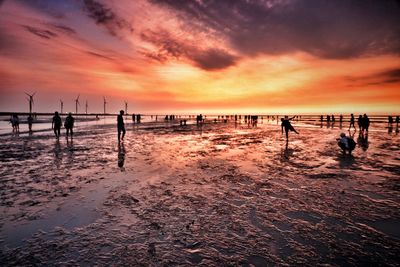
(201, 56)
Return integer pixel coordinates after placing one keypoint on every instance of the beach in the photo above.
(216, 194)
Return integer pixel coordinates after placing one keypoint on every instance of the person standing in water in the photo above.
(56, 124)
(69, 124)
(30, 122)
(120, 125)
(287, 126)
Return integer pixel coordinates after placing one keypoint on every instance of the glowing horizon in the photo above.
(201, 56)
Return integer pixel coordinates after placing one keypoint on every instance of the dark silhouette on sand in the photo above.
(287, 126)
(15, 123)
(365, 123)
(352, 121)
(360, 122)
(30, 122)
(69, 124)
(121, 125)
(56, 124)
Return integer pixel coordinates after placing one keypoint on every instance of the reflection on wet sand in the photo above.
(210, 195)
(121, 156)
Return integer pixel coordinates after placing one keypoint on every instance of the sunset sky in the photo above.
(229, 56)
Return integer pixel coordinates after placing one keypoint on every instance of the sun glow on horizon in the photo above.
(160, 60)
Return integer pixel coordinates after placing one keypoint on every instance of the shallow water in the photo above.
(211, 195)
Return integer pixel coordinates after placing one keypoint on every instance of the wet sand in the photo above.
(216, 195)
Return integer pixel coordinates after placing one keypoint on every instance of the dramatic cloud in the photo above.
(104, 15)
(167, 48)
(327, 29)
(219, 55)
(213, 59)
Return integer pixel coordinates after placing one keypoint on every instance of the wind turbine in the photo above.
(105, 103)
(77, 104)
(62, 106)
(30, 100)
(86, 106)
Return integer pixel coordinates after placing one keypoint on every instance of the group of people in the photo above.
(68, 124)
(363, 123)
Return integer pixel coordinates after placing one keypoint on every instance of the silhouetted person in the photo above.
(365, 123)
(121, 126)
(133, 118)
(346, 143)
(333, 118)
(30, 122)
(56, 124)
(138, 118)
(321, 118)
(328, 119)
(287, 126)
(15, 123)
(390, 120)
(341, 118)
(352, 121)
(360, 122)
(69, 124)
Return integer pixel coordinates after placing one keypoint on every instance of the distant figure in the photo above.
(30, 122)
(133, 118)
(69, 124)
(390, 120)
(15, 123)
(56, 124)
(365, 123)
(333, 118)
(287, 126)
(120, 125)
(328, 119)
(346, 143)
(138, 118)
(321, 119)
(341, 119)
(352, 121)
(199, 119)
(360, 122)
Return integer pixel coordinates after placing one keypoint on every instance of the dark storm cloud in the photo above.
(105, 16)
(168, 47)
(327, 29)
